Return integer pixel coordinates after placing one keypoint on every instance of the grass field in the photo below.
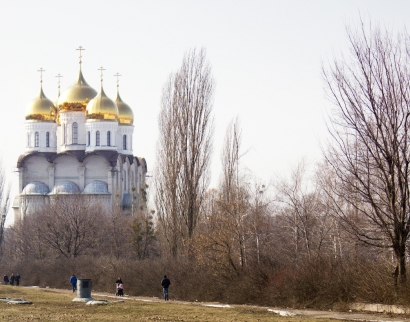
(57, 305)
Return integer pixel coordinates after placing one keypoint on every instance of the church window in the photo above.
(75, 133)
(48, 139)
(124, 142)
(64, 134)
(97, 138)
(108, 138)
(125, 181)
(36, 140)
(28, 139)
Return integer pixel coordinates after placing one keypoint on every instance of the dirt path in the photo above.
(314, 314)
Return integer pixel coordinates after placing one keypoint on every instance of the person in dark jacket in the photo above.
(119, 290)
(165, 284)
(17, 279)
(6, 279)
(73, 282)
(12, 279)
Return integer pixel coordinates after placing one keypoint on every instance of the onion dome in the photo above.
(125, 114)
(41, 109)
(35, 188)
(96, 188)
(65, 187)
(76, 97)
(102, 108)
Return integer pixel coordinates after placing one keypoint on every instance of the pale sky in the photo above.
(266, 59)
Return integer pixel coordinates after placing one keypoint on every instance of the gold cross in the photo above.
(101, 70)
(41, 70)
(80, 49)
(59, 76)
(117, 75)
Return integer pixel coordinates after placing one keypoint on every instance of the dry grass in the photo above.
(57, 305)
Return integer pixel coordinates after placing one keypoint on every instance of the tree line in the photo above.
(324, 235)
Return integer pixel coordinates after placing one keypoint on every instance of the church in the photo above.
(80, 144)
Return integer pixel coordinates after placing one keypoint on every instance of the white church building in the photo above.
(79, 144)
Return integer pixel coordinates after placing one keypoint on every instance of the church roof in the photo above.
(96, 188)
(110, 156)
(35, 188)
(65, 187)
(41, 109)
(76, 97)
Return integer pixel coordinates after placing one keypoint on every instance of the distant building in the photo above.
(81, 144)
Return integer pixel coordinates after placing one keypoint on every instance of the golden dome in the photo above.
(125, 114)
(41, 109)
(102, 108)
(76, 97)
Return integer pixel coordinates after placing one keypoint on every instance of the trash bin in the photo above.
(83, 290)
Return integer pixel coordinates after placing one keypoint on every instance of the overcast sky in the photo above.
(266, 59)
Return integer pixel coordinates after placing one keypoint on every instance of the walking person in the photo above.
(12, 279)
(17, 279)
(118, 282)
(73, 282)
(6, 279)
(165, 284)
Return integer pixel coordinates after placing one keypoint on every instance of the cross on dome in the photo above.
(101, 75)
(59, 76)
(81, 56)
(118, 80)
(41, 70)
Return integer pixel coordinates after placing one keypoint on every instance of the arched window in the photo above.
(75, 133)
(124, 142)
(88, 138)
(97, 138)
(48, 139)
(36, 140)
(64, 134)
(108, 138)
(28, 139)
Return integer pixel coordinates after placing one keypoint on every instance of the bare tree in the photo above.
(184, 149)
(370, 152)
(224, 232)
(70, 225)
(303, 216)
(4, 201)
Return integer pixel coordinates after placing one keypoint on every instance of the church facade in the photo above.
(82, 144)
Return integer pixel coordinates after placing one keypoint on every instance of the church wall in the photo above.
(96, 168)
(66, 168)
(102, 127)
(36, 169)
(30, 204)
(41, 128)
(67, 120)
(128, 131)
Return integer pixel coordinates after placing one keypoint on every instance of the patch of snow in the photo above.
(18, 301)
(217, 305)
(97, 302)
(282, 313)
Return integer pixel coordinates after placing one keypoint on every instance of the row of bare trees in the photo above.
(74, 226)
